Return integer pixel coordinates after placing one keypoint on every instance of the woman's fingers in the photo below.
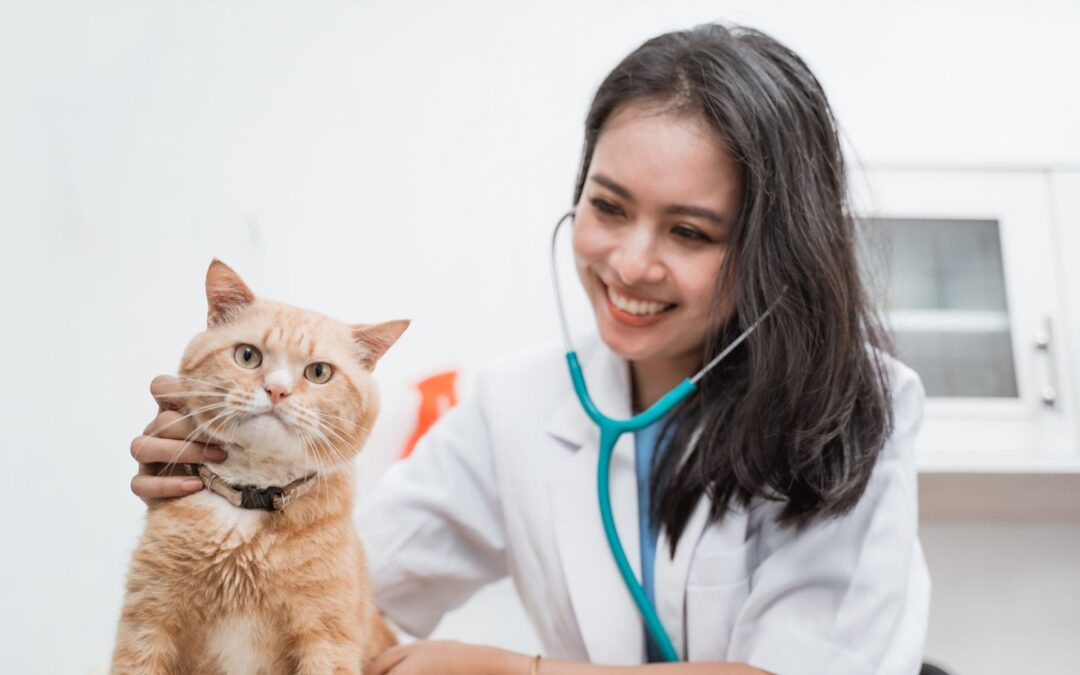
(181, 427)
(149, 486)
(388, 660)
(174, 420)
(154, 450)
(167, 392)
(171, 424)
(167, 443)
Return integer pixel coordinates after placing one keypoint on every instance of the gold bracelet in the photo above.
(535, 666)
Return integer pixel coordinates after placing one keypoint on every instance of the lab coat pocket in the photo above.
(717, 586)
(718, 566)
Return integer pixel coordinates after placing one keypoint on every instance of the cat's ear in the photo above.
(375, 339)
(226, 293)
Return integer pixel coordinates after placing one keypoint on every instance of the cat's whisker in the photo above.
(189, 414)
(331, 453)
(154, 434)
(309, 448)
(342, 433)
(307, 420)
(234, 418)
(189, 378)
(311, 425)
(326, 447)
(335, 415)
(320, 416)
(324, 491)
(342, 418)
(339, 447)
(190, 393)
(321, 420)
(307, 457)
(190, 439)
(337, 437)
(308, 452)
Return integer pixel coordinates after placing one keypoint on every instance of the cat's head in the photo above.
(288, 386)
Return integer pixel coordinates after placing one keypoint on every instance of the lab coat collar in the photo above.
(609, 622)
(607, 377)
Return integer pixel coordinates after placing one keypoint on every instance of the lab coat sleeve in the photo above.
(847, 596)
(432, 527)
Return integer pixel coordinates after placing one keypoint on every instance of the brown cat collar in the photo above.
(271, 498)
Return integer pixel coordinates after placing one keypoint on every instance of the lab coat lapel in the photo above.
(607, 617)
(670, 575)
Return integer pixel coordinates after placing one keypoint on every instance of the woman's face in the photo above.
(651, 231)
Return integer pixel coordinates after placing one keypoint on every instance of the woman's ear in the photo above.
(375, 339)
(226, 293)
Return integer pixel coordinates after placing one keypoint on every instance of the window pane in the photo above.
(946, 300)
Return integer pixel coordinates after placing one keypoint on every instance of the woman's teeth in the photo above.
(638, 307)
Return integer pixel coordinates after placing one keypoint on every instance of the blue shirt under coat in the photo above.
(645, 444)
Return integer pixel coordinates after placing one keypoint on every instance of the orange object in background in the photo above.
(437, 395)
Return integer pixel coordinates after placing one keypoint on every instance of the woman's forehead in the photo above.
(665, 157)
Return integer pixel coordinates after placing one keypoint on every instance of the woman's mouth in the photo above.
(634, 312)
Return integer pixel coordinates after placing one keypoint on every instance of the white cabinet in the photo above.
(971, 264)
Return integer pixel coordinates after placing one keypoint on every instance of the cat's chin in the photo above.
(267, 424)
(264, 454)
(246, 466)
(270, 432)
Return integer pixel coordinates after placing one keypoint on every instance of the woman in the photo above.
(774, 521)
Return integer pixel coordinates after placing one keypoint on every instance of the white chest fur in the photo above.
(228, 518)
(239, 646)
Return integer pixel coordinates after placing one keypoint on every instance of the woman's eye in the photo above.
(606, 207)
(319, 373)
(247, 356)
(688, 233)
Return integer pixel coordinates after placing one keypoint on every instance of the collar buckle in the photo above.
(267, 499)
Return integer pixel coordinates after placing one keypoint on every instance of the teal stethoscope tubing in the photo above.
(610, 431)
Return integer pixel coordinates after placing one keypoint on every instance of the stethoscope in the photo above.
(612, 429)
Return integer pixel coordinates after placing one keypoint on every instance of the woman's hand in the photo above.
(455, 658)
(168, 441)
(448, 658)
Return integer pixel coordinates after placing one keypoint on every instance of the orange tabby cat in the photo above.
(263, 572)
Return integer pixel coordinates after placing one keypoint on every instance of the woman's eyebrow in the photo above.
(680, 210)
(673, 210)
(613, 186)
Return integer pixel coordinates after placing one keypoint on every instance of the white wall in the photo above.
(379, 160)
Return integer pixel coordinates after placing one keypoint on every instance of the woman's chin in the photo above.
(644, 348)
(629, 347)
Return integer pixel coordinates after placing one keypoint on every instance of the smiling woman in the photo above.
(771, 516)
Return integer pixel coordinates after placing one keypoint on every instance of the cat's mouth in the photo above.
(275, 414)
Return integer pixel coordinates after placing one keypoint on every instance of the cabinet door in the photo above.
(968, 269)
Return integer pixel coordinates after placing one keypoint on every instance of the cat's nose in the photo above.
(275, 392)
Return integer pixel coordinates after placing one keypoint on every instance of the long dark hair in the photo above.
(799, 412)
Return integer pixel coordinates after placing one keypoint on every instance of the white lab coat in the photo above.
(505, 483)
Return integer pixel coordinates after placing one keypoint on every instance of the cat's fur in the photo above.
(215, 589)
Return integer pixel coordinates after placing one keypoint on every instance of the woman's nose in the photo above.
(635, 260)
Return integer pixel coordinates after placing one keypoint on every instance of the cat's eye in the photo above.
(319, 373)
(247, 356)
